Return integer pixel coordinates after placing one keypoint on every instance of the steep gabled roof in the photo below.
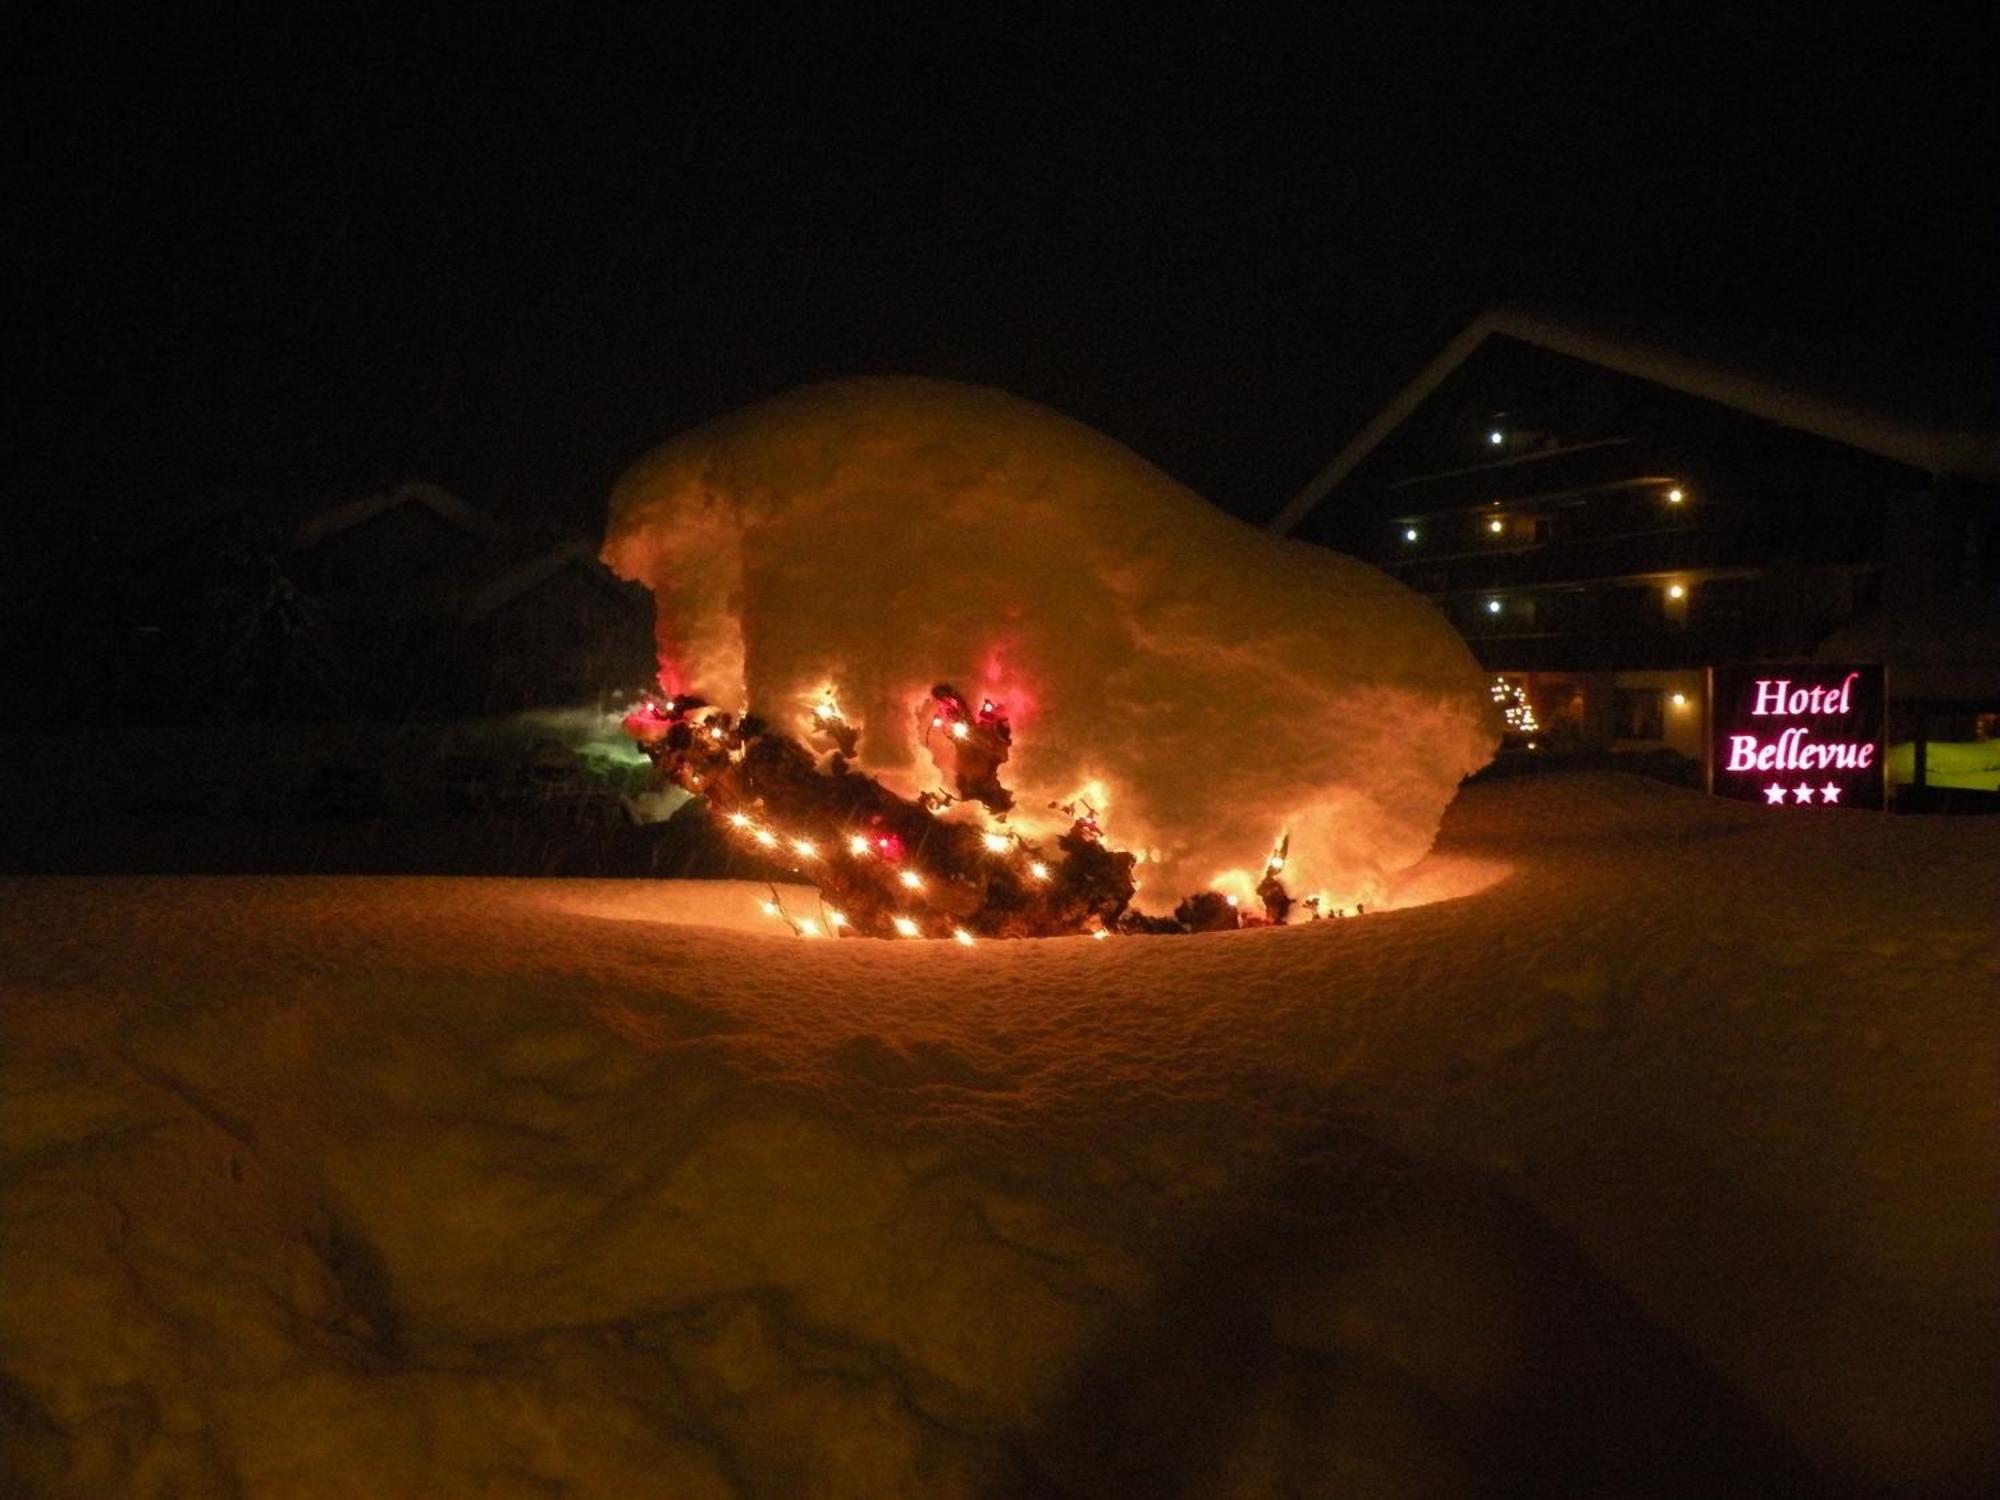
(533, 572)
(440, 502)
(1854, 422)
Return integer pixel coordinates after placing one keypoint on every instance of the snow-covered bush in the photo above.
(1207, 687)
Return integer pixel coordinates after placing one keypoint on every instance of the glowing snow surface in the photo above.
(1661, 1164)
(1205, 684)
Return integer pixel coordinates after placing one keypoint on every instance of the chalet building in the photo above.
(404, 604)
(384, 544)
(450, 611)
(1605, 516)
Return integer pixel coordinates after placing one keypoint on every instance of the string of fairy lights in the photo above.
(1515, 709)
(909, 912)
(830, 922)
(826, 723)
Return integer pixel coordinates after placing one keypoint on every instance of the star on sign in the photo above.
(1774, 793)
(1802, 792)
(1829, 793)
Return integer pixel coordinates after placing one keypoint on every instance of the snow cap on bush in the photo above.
(1206, 686)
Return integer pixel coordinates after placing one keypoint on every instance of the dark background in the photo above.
(278, 260)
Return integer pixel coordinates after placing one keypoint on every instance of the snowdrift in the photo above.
(1206, 686)
(1660, 1162)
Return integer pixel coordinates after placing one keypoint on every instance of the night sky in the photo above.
(273, 261)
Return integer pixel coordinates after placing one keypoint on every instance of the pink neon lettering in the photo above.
(1790, 752)
(1778, 697)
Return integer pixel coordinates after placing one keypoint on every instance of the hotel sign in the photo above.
(1798, 734)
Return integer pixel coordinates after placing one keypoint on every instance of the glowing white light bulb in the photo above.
(905, 926)
(806, 847)
(737, 820)
(1675, 591)
(1496, 437)
(1675, 496)
(960, 730)
(1039, 870)
(1230, 899)
(836, 919)
(997, 842)
(770, 908)
(962, 935)
(765, 837)
(911, 880)
(857, 845)
(808, 926)
(1493, 606)
(1100, 933)
(1496, 526)
(1680, 700)
(1410, 533)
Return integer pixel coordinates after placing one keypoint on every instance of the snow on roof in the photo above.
(1670, 1156)
(1865, 423)
(530, 573)
(434, 498)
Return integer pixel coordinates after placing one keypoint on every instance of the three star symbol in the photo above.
(1774, 794)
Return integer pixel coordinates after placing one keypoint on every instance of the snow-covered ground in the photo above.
(1649, 1147)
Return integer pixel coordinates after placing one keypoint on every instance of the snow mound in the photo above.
(1206, 686)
